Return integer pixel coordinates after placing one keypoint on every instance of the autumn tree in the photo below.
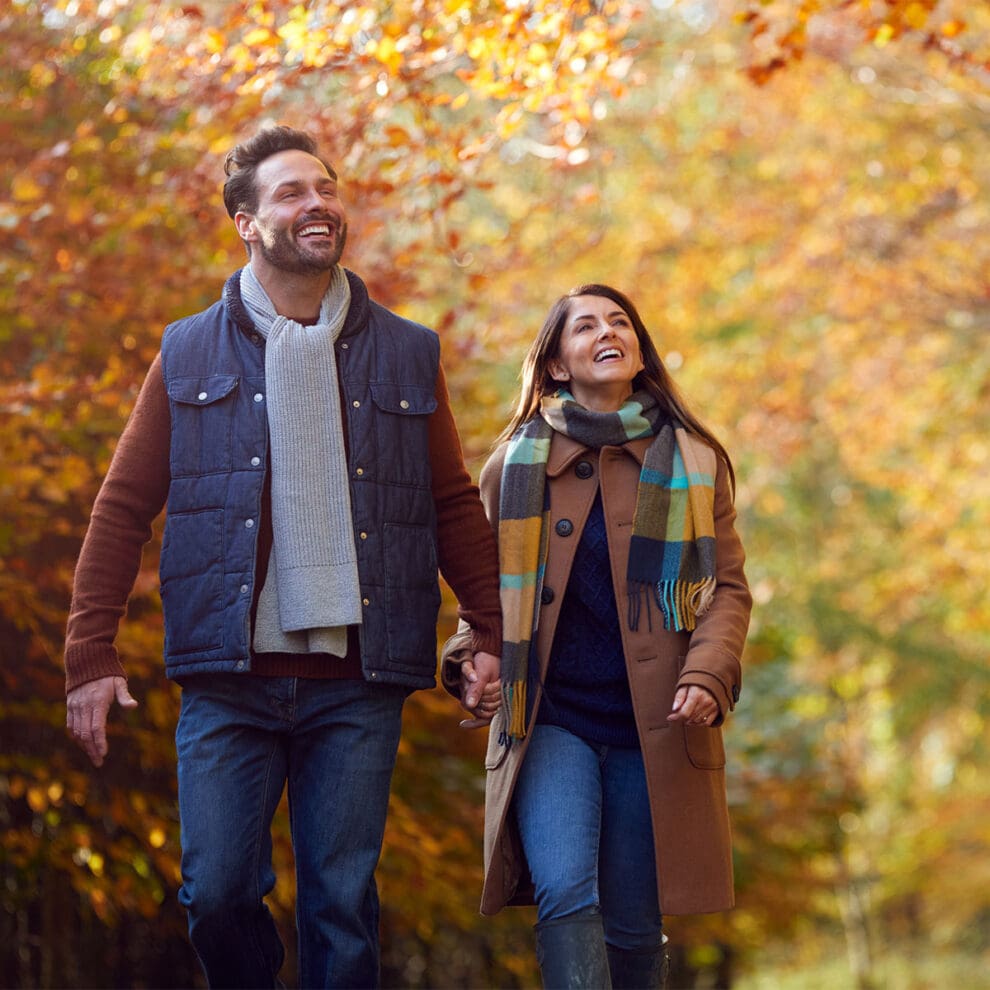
(794, 195)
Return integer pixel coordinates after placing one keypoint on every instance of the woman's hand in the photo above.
(481, 689)
(694, 705)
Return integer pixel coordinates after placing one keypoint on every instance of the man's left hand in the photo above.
(481, 689)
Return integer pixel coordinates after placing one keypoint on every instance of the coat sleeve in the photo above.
(714, 657)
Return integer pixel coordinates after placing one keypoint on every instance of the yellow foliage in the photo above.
(25, 189)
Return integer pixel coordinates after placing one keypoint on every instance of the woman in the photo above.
(625, 609)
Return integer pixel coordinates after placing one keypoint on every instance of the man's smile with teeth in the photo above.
(312, 229)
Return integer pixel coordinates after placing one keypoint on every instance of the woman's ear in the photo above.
(557, 371)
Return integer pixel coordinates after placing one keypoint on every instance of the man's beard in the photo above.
(285, 253)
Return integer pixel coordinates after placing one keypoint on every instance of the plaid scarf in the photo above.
(672, 550)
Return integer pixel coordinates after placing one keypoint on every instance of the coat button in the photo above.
(735, 692)
(583, 469)
(546, 595)
(564, 527)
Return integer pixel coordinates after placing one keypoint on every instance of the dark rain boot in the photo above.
(639, 970)
(571, 953)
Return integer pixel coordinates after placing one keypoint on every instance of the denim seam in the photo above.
(264, 964)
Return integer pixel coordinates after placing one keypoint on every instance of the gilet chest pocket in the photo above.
(403, 430)
(202, 424)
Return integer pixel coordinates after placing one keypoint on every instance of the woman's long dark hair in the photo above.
(654, 378)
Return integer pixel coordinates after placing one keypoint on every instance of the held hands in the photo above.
(694, 705)
(481, 689)
(86, 713)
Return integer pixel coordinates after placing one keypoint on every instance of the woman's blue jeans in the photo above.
(584, 817)
(240, 739)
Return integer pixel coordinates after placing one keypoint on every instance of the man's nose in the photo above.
(315, 201)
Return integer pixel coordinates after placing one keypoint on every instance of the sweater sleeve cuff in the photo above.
(89, 662)
(486, 631)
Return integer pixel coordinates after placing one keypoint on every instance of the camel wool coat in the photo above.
(685, 764)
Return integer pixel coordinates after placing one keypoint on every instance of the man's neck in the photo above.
(297, 297)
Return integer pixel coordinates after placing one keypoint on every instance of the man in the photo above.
(302, 438)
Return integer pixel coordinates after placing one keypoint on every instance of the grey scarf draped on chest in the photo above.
(311, 593)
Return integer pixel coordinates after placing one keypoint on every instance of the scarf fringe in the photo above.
(637, 594)
(514, 703)
(683, 602)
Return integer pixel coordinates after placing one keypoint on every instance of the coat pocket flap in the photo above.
(497, 751)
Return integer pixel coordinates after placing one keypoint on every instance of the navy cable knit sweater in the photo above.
(587, 690)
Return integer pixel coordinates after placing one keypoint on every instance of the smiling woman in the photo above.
(613, 504)
(598, 354)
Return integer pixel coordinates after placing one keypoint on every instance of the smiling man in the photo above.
(300, 439)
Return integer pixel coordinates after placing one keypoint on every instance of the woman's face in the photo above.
(599, 353)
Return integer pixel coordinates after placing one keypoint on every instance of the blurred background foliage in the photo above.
(794, 194)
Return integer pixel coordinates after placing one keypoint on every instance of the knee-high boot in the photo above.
(639, 970)
(571, 953)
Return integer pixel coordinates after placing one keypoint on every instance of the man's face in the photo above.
(300, 225)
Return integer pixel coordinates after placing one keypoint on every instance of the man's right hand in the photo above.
(86, 713)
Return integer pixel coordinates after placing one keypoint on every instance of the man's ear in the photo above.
(246, 227)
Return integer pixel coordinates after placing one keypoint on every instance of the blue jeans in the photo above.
(584, 818)
(240, 738)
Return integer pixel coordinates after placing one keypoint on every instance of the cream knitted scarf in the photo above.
(311, 593)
